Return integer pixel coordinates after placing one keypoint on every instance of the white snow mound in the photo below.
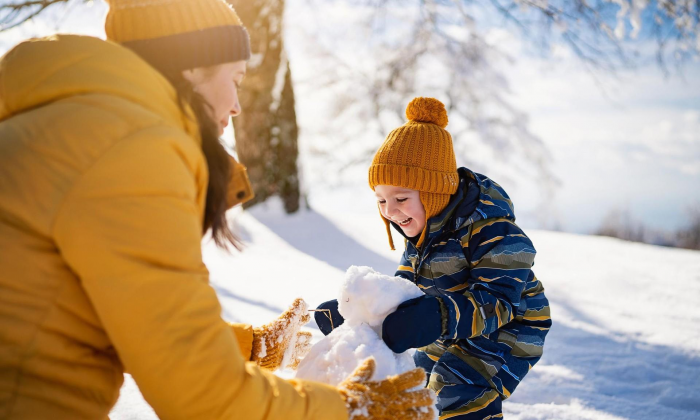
(368, 297)
(365, 299)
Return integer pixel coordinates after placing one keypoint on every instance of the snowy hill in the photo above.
(626, 337)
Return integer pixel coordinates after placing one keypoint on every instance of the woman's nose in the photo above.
(236, 110)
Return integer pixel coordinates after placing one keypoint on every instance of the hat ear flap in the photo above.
(388, 228)
(425, 199)
(433, 204)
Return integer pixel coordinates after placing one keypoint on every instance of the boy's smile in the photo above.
(403, 207)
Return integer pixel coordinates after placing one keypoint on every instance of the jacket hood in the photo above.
(41, 71)
(482, 199)
(477, 198)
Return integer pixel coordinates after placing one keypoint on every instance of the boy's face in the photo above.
(403, 207)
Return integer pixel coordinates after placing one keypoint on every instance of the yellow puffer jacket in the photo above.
(102, 192)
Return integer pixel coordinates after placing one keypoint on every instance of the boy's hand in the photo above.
(392, 398)
(282, 337)
(327, 316)
(415, 323)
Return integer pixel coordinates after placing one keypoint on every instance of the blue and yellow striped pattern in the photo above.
(479, 262)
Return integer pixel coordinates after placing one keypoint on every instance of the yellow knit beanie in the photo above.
(419, 156)
(178, 34)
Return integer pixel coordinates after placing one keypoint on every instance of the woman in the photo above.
(110, 172)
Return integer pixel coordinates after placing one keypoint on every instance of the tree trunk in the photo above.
(266, 131)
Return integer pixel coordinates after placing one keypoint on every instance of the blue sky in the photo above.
(632, 145)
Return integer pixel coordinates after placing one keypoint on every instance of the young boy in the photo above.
(480, 326)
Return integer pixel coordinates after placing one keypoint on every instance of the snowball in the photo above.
(367, 296)
(365, 299)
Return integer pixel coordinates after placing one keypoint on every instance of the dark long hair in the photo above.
(217, 161)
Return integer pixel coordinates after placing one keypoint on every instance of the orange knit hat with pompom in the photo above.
(419, 156)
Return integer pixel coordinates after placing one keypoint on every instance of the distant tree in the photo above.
(402, 48)
(620, 224)
(689, 237)
(623, 225)
(14, 13)
(266, 131)
(595, 30)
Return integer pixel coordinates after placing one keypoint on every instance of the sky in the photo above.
(633, 145)
(628, 143)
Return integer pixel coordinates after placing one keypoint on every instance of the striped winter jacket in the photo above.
(478, 261)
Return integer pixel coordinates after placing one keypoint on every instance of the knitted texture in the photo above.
(280, 344)
(178, 34)
(419, 156)
(132, 20)
(392, 398)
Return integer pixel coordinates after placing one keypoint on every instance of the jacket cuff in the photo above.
(326, 402)
(444, 315)
(244, 336)
(454, 316)
(239, 188)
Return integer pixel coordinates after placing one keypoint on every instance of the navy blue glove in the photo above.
(322, 318)
(415, 323)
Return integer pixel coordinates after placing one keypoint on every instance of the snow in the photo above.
(336, 356)
(263, 350)
(299, 317)
(626, 337)
(365, 298)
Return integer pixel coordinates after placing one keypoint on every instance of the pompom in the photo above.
(428, 110)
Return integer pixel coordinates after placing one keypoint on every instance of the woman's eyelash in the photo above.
(381, 201)
(401, 200)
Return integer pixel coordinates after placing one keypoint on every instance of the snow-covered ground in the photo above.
(626, 337)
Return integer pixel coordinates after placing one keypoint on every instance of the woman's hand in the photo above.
(415, 323)
(392, 398)
(281, 344)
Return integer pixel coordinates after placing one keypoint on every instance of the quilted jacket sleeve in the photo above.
(500, 258)
(131, 230)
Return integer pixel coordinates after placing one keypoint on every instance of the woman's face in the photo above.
(219, 86)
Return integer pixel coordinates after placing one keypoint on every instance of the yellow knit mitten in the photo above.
(280, 344)
(392, 398)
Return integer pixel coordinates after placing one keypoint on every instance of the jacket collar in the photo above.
(477, 198)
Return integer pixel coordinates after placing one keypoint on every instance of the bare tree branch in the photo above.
(16, 13)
